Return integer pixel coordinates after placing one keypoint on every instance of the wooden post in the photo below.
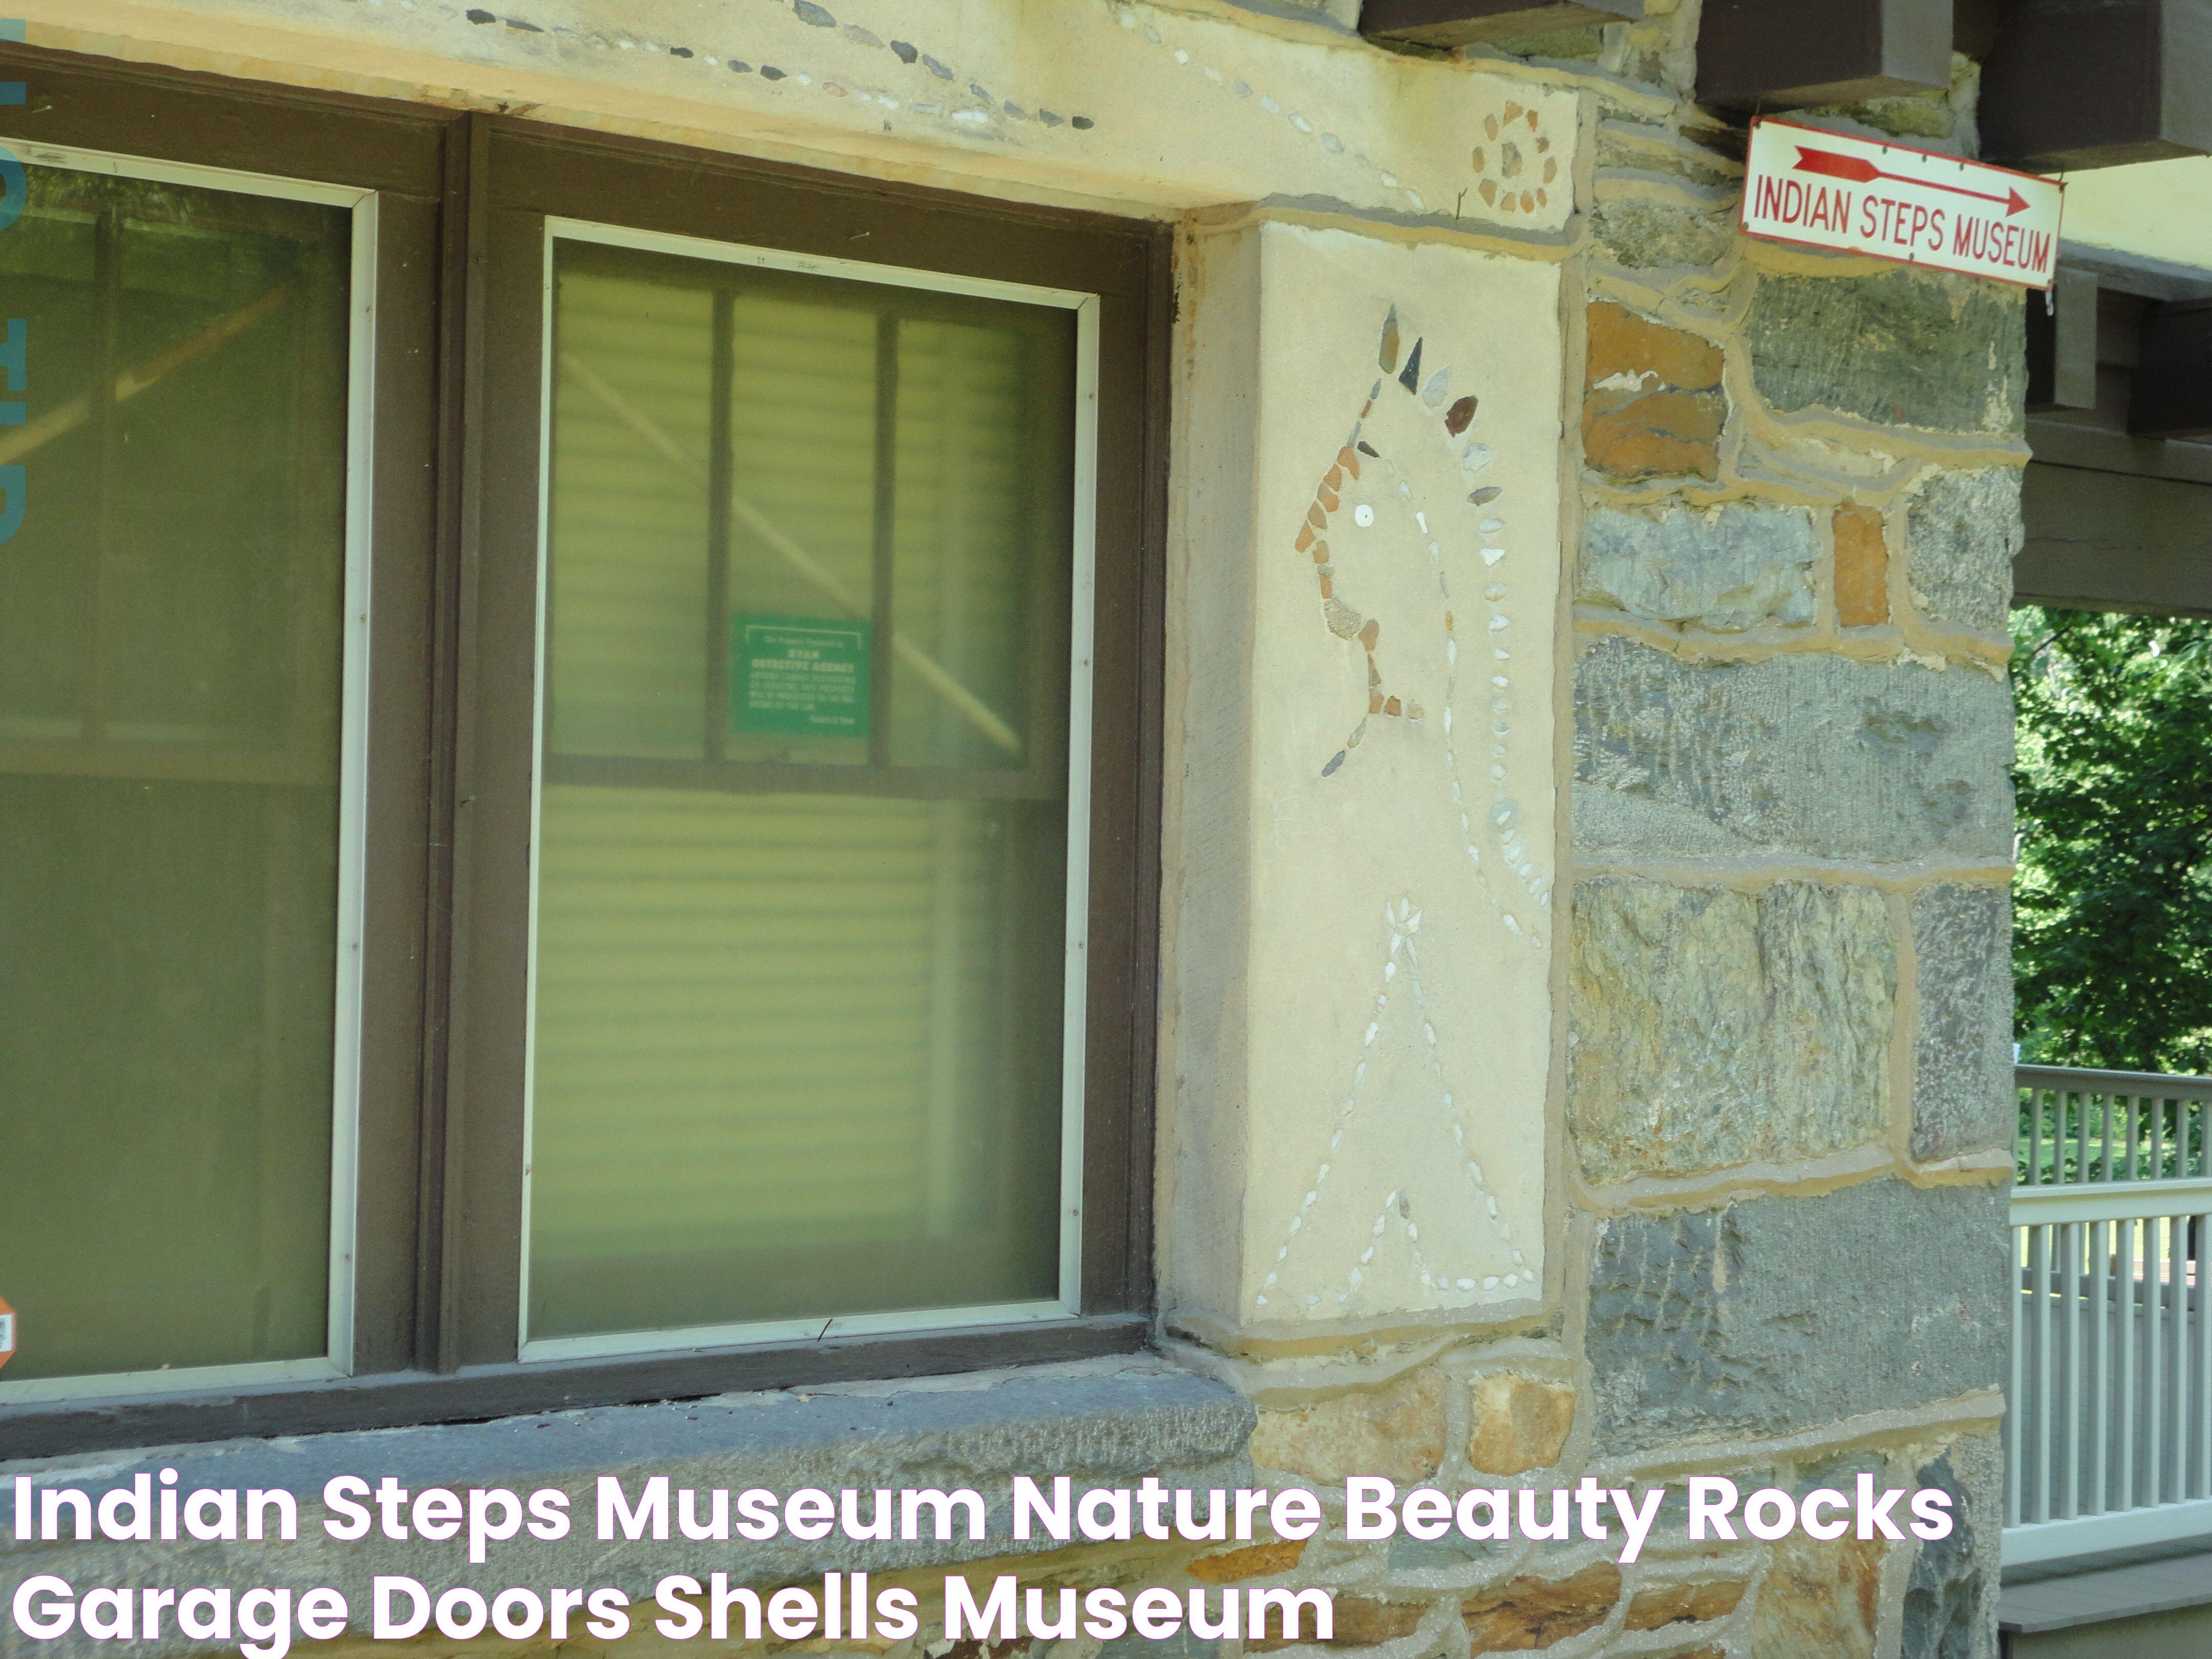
(2062, 343)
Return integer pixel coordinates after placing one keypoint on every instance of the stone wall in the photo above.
(1688, 965)
(1782, 1112)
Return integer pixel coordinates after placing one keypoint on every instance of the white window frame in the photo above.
(1075, 977)
(353, 782)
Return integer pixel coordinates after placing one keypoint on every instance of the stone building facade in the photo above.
(1583, 1003)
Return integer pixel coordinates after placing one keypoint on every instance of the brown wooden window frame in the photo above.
(463, 203)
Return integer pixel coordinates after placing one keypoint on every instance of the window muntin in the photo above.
(181, 748)
(808, 964)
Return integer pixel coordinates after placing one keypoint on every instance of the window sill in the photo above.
(476, 1394)
(1103, 1422)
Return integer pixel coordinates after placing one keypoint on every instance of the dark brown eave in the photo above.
(1468, 22)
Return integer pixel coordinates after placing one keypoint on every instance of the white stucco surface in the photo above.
(2156, 210)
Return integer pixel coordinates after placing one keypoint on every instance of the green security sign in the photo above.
(799, 676)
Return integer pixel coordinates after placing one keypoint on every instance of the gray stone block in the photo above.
(1100, 1422)
(1181, 1645)
(1648, 235)
(1962, 1087)
(1777, 1314)
(1803, 753)
(1450, 1553)
(1962, 532)
(1732, 567)
(1711, 1028)
(1905, 349)
(1947, 1611)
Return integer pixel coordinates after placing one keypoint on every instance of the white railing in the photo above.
(2108, 1427)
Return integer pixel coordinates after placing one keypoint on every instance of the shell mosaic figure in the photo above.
(1437, 1238)
(1495, 820)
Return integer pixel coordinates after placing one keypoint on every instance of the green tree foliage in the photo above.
(2113, 928)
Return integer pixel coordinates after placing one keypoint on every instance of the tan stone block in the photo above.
(1818, 1600)
(1862, 567)
(1678, 1604)
(1534, 1613)
(1256, 1561)
(1520, 1423)
(1396, 1431)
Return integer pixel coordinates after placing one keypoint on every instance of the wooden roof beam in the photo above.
(1465, 23)
(1787, 54)
(2172, 394)
(2089, 83)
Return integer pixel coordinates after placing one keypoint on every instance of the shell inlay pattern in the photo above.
(1509, 1262)
(979, 108)
(1519, 194)
(982, 108)
(1238, 87)
(1514, 116)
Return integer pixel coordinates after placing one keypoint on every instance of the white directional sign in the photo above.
(1801, 185)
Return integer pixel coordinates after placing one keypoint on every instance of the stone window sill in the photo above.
(1107, 1422)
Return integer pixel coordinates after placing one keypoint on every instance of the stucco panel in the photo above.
(1407, 571)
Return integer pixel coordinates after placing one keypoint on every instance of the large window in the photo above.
(578, 769)
(179, 785)
(811, 584)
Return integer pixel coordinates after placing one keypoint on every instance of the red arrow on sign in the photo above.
(1865, 173)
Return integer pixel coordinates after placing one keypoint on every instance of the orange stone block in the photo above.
(1520, 1423)
(1652, 403)
(1533, 1612)
(1358, 1621)
(1622, 342)
(1862, 567)
(1820, 1598)
(1666, 433)
(1396, 1431)
(1257, 1561)
(1677, 1604)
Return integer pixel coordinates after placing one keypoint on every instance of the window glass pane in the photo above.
(631, 588)
(972, 489)
(799, 977)
(170, 617)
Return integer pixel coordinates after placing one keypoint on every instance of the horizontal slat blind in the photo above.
(753, 977)
(629, 529)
